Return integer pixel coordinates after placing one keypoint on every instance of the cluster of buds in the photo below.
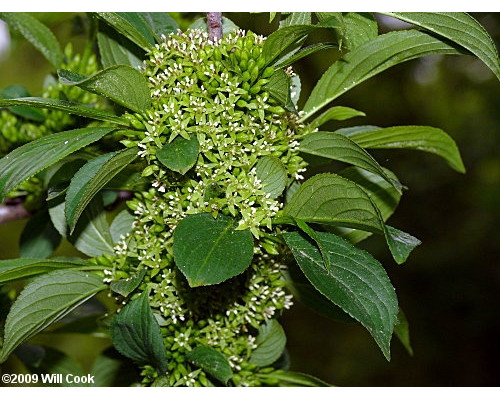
(217, 92)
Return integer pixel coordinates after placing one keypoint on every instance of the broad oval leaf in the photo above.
(127, 28)
(45, 300)
(280, 40)
(424, 138)
(210, 250)
(370, 59)
(91, 234)
(21, 268)
(160, 23)
(136, 334)
(113, 52)
(339, 147)
(356, 282)
(332, 199)
(120, 83)
(271, 342)
(212, 362)
(279, 86)
(459, 27)
(180, 155)
(358, 28)
(91, 178)
(121, 225)
(66, 106)
(37, 34)
(338, 113)
(272, 174)
(39, 238)
(25, 161)
(296, 18)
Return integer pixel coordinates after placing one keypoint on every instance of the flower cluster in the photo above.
(217, 92)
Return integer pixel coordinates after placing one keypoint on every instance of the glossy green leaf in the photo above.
(45, 300)
(126, 286)
(210, 250)
(402, 331)
(91, 234)
(382, 193)
(37, 34)
(338, 113)
(113, 52)
(91, 178)
(127, 28)
(137, 20)
(459, 27)
(25, 161)
(332, 199)
(280, 40)
(279, 86)
(341, 148)
(180, 155)
(359, 28)
(161, 23)
(121, 225)
(136, 334)
(370, 59)
(39, 238)
(356, 282)
(66, 106)
(31, 113)
(291, 379)
(21, 268)
(270, 342)
(120, 83)
(212, 362)
(272, 174)
(302, 53)
(423, 138)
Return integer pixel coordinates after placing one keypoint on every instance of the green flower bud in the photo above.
(267, 72)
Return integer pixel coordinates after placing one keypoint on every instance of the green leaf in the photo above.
(25, 161)
(121, 225)
(113, 52)
(210, 250)
(91, 178)
(161, 23)
(45, 300)
(137, 20)
(357, 282)
(338, 147)
(279, 86)
(212, 362)
(37, 34)
(302, 53)
(91, 235)
(290, 378)
(423, 138)
(120, 83)
(460, 28)
(127, 28)
(359, 28)
(66, 106)
(272, 174)
(296, 18)
(31, 113)
(280, 40)
(370, 59)
(402, 331)
(382, 193)
(180, 155)
(21, 268)
(338, 113)
(39, 238)
(270, 342)
(126, 286)
(136, 334)
(332, 199)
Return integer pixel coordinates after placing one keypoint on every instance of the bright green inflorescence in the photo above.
(216, 93)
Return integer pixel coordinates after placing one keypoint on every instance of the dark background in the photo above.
(449, 286)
